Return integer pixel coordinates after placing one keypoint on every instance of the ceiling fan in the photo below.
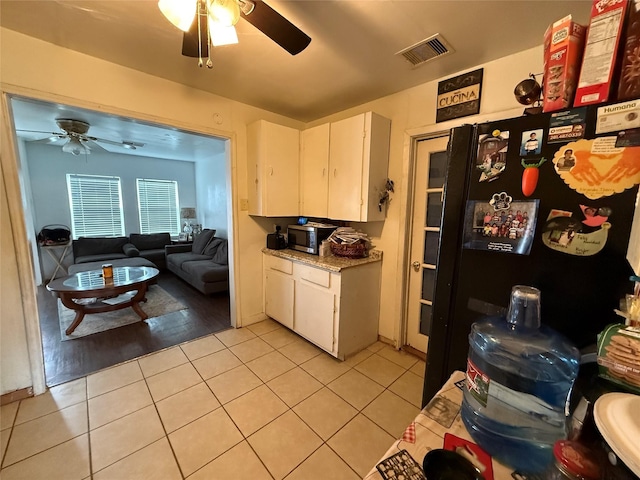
(78, 142)
(211, 22)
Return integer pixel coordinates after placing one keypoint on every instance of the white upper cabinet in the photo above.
(273, 153)
(358, 165)
(314, 171)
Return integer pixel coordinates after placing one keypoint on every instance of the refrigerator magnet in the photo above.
(598, 168)
(507, 229)
(530, 175)
(492, 155)
(531, 143)
(582, 235)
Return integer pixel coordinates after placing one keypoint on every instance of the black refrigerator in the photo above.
(561, 224)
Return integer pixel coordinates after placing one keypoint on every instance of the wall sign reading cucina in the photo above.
(459, 96)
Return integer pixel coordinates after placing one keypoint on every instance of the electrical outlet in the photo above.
(244, 204)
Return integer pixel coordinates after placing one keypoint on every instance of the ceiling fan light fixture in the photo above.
(179, 12)
(75, 147)
(246, 6)
(223, 12)
(221, 35)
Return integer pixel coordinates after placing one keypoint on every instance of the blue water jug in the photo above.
(519, 378)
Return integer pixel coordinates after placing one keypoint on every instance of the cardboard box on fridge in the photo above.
(601, 52)
(629, 86)
(563, 47)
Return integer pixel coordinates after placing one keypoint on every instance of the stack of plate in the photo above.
(617, 416)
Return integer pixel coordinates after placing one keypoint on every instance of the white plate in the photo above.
(617, 417)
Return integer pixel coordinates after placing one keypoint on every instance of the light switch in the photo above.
(244, 204)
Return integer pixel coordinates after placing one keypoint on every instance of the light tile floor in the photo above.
(254, 403)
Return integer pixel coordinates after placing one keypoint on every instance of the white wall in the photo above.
(211, 185)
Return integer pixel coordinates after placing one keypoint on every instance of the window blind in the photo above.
(158, 206)
(96, 206)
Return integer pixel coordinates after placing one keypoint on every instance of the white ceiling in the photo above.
(351, 58)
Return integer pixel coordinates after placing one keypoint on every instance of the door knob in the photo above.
(416, 266)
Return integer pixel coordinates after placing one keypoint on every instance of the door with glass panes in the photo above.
(429, 175)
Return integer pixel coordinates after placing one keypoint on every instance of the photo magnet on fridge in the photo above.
(509, 228)
(582, 234)
(598, 168)
(531, 143)
(492, 155)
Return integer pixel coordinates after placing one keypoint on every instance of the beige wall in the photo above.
(76, 79)
(412, 111)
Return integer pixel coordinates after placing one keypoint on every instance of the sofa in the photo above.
(136, 245)
(204, 264)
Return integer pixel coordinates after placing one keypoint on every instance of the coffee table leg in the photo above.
(79, 309)
(137, 298)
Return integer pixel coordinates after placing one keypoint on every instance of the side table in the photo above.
(57, 253)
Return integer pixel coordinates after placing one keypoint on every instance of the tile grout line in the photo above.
(164, 429)
(243, 363)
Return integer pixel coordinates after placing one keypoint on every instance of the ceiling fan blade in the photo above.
(277, 28)
(190, 39)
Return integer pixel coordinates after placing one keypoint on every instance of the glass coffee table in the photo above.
(91, 285)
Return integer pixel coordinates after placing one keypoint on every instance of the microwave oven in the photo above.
(307, 238)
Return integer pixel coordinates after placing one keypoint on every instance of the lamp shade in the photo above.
(221, 35)
(75, 147)
(179, 12)
(223, 12)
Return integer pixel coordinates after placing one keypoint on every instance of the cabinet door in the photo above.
(314, 314)
(278, 297)
(273, 153)
(346, 147)
(314, 185)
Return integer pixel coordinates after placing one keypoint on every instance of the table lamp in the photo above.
(188, 214)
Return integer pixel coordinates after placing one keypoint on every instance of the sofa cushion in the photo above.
(150, 241)
(201, 241)
(212, 247)
(206, 271)
(97, 246)
(178, 259)
(221, 255)
(130, 250)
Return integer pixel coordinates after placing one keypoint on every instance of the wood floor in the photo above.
(71, 359)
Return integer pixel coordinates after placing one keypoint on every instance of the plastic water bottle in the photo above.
(519, 379)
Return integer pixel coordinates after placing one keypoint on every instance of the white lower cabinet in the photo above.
(278, 294)
(337, 311)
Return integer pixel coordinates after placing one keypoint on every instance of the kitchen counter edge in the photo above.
(332, 263)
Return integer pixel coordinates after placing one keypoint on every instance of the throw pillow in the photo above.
(130, 250)
(221, 256)
(212, 247)
(201, 241)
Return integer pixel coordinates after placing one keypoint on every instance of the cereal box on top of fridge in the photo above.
(601, 51)
(563, 46)
(629, 86)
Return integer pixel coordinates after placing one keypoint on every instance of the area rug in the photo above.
(158, 303)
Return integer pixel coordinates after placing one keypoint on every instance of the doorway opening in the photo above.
(162, 152)
(429, 165)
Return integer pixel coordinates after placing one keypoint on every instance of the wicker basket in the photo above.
(350, 250)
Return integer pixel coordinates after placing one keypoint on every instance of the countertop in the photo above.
(427, 431)
(331, 263)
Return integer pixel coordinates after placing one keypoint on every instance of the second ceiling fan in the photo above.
(210, 22)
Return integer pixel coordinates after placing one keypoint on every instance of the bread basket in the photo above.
(349, 250)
